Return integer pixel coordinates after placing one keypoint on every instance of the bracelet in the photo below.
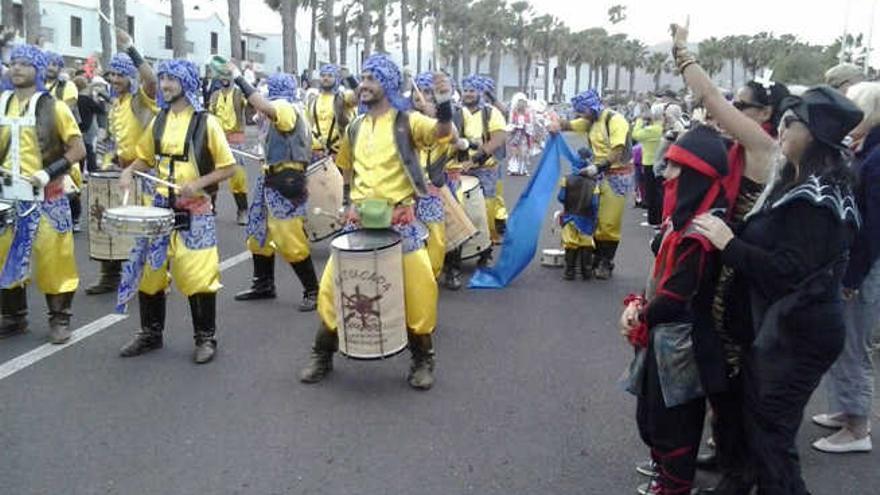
(686, 64)
(135, 56)
(245, 86)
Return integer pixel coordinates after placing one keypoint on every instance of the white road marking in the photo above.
(34, 356)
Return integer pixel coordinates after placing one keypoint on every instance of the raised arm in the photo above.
(254, 97)
(148, 77)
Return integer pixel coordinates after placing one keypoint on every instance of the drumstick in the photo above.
(416, 89)
(247, 155)
(125, 198)
(157, 180)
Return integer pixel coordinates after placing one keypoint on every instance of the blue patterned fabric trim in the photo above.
(413, 235)
(18, 261)
(429, 209)
(154, 251)
(58, 213)
(488, 178)
(620, 184)
(202, 233)
(268, 201)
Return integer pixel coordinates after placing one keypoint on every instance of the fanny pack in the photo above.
(289, 183)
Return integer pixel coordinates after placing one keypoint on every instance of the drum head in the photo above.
(139, 212)
(365, 240)
(6, 207)
(106, 174)
(469, 183)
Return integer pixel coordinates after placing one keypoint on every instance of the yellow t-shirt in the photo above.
(173, 142)
(649, 137)
(599, 134)
(378, 171)
(226, 112)
(285, 121)
(473, 127)
(70, 94)
(125, 127)
(31, 159)
(321, 122)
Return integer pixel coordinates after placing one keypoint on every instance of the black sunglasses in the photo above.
(742, 105)
(790, 119)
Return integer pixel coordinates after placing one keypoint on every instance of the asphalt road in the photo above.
(526, 399)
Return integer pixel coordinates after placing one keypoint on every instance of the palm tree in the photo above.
(521, 11)
(288, 9)
(120, 15)
(730, 50)
(711, 56)
(234, 9)
(178, 29)
(635, 53)
(32, 26)
(329, 25)
(7, 13)
(381, 8)
(364, 27)
(654, 65)
(420, 11)
(618, 48)
(405, 16)
(106, 35)
(315, 5)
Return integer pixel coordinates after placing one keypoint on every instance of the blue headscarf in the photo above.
(282, 87)
(588, 102)
(188, 76)
(121, 64)
(488, 84)
(425, 81)
(34, 57)
(476, 83)
(388, 74)
(55, 59)
(332, 70)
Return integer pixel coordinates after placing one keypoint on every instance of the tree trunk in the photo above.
(31, 14)
(330, 24)
(632, 81)
(120, 15)
(365, 29)
(732, 75)
(178, 29)
(7, 17)
(234, 8)
(288, 36)
(382, 28)
(404, 22)
(656, 82)
(106, 38)
(547, 78)
(528, 75)
(343, 39)
(495, 64)
(313, 40)
(577, 78)
(466, 55)
(478, 62)
(616, 79)
(420, 27)
(456, 71)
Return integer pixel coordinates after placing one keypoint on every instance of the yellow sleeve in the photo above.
(65, 122)
(424, 131)
(147, 101)
(496, 121)
(71, 95)
(618, 128)
(344, 157)
(349, 98)
(144, 150)
(285, 116)
(217, 144)
(579, 125)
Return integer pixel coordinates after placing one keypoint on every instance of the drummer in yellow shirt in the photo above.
(368, 149)
(607, 132)
(330, 113)
(133, 89)
(42, 237)
(228, 104)
(278, 211)
(190, 252)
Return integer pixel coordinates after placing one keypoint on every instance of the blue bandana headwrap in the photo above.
(188, 76)
(425, 81)
(55, 59)
(488, 85)
(282, 87)
(121, 64)
(476, 83)
(388, 74)
(34, 57)
(588, 102)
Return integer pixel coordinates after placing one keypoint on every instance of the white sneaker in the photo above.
(844, 443)
(829, 421)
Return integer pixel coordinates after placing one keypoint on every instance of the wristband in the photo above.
(245, 87)
(57, 168)
(444, 112)
(135, 56)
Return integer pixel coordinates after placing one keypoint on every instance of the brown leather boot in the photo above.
(149, 337)
(421, 371)
(321, 360)
(59, 317)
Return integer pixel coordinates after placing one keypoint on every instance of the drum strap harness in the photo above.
(338, 116)
(405, 149)
(196, 135)
(40, 115)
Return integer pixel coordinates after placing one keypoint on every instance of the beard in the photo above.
(329, 86)
(172, 99)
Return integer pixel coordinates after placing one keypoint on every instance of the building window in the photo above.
(130, 26)
(18, 16)
(76, 31)
(214, 43)
(168, 45)
(244, 55)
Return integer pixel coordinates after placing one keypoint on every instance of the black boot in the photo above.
(305, 270)
(59, 317)
(13, 307)
(75, 210)
(605, 251)
(421, 371)
(452, 270)
(263, 283)
(485, 258)
(571, 257)
(108, 278)
(149, 337)
(586, 255)
(500, 230)
(203, 307)
(321, 360)
(241, 205)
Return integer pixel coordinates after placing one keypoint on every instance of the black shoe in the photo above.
(203, 307)
(647, 468)
(309, 302)
(485, 258)
(142, 343)
(59, 317)
(241, 205)
(305, 271)
(421, 371)
(108, 279)
(263, 282)
(149, 337)
(586, 255)
(204, 352)
(321, 359)
(13, 307)
(571, 256)
(707, 461)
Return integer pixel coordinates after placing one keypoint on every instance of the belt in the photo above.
(623, 170)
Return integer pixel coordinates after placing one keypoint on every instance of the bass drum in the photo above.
(475, 207)
(324, 183)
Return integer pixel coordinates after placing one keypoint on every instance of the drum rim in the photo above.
(115, 213)
(106, 174)
(468, 178)
(339, 235)
(374, 358)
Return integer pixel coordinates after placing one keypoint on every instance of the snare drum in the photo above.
(104, 193)
(324, 183)
(475, 206)
(553, 257)
(459, 227)
(7, 214)
(370, 311)
(139, 221)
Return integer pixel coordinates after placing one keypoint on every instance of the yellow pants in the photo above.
(611, 206)
(194, 271)
(53, 263)
(436, 246)
(572, 238)
(419, 288)
(238, 184)
(288, 237)
(501, 208)
(76, 175)
(495, 210)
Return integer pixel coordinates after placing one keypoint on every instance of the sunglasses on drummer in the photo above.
(742, 105)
